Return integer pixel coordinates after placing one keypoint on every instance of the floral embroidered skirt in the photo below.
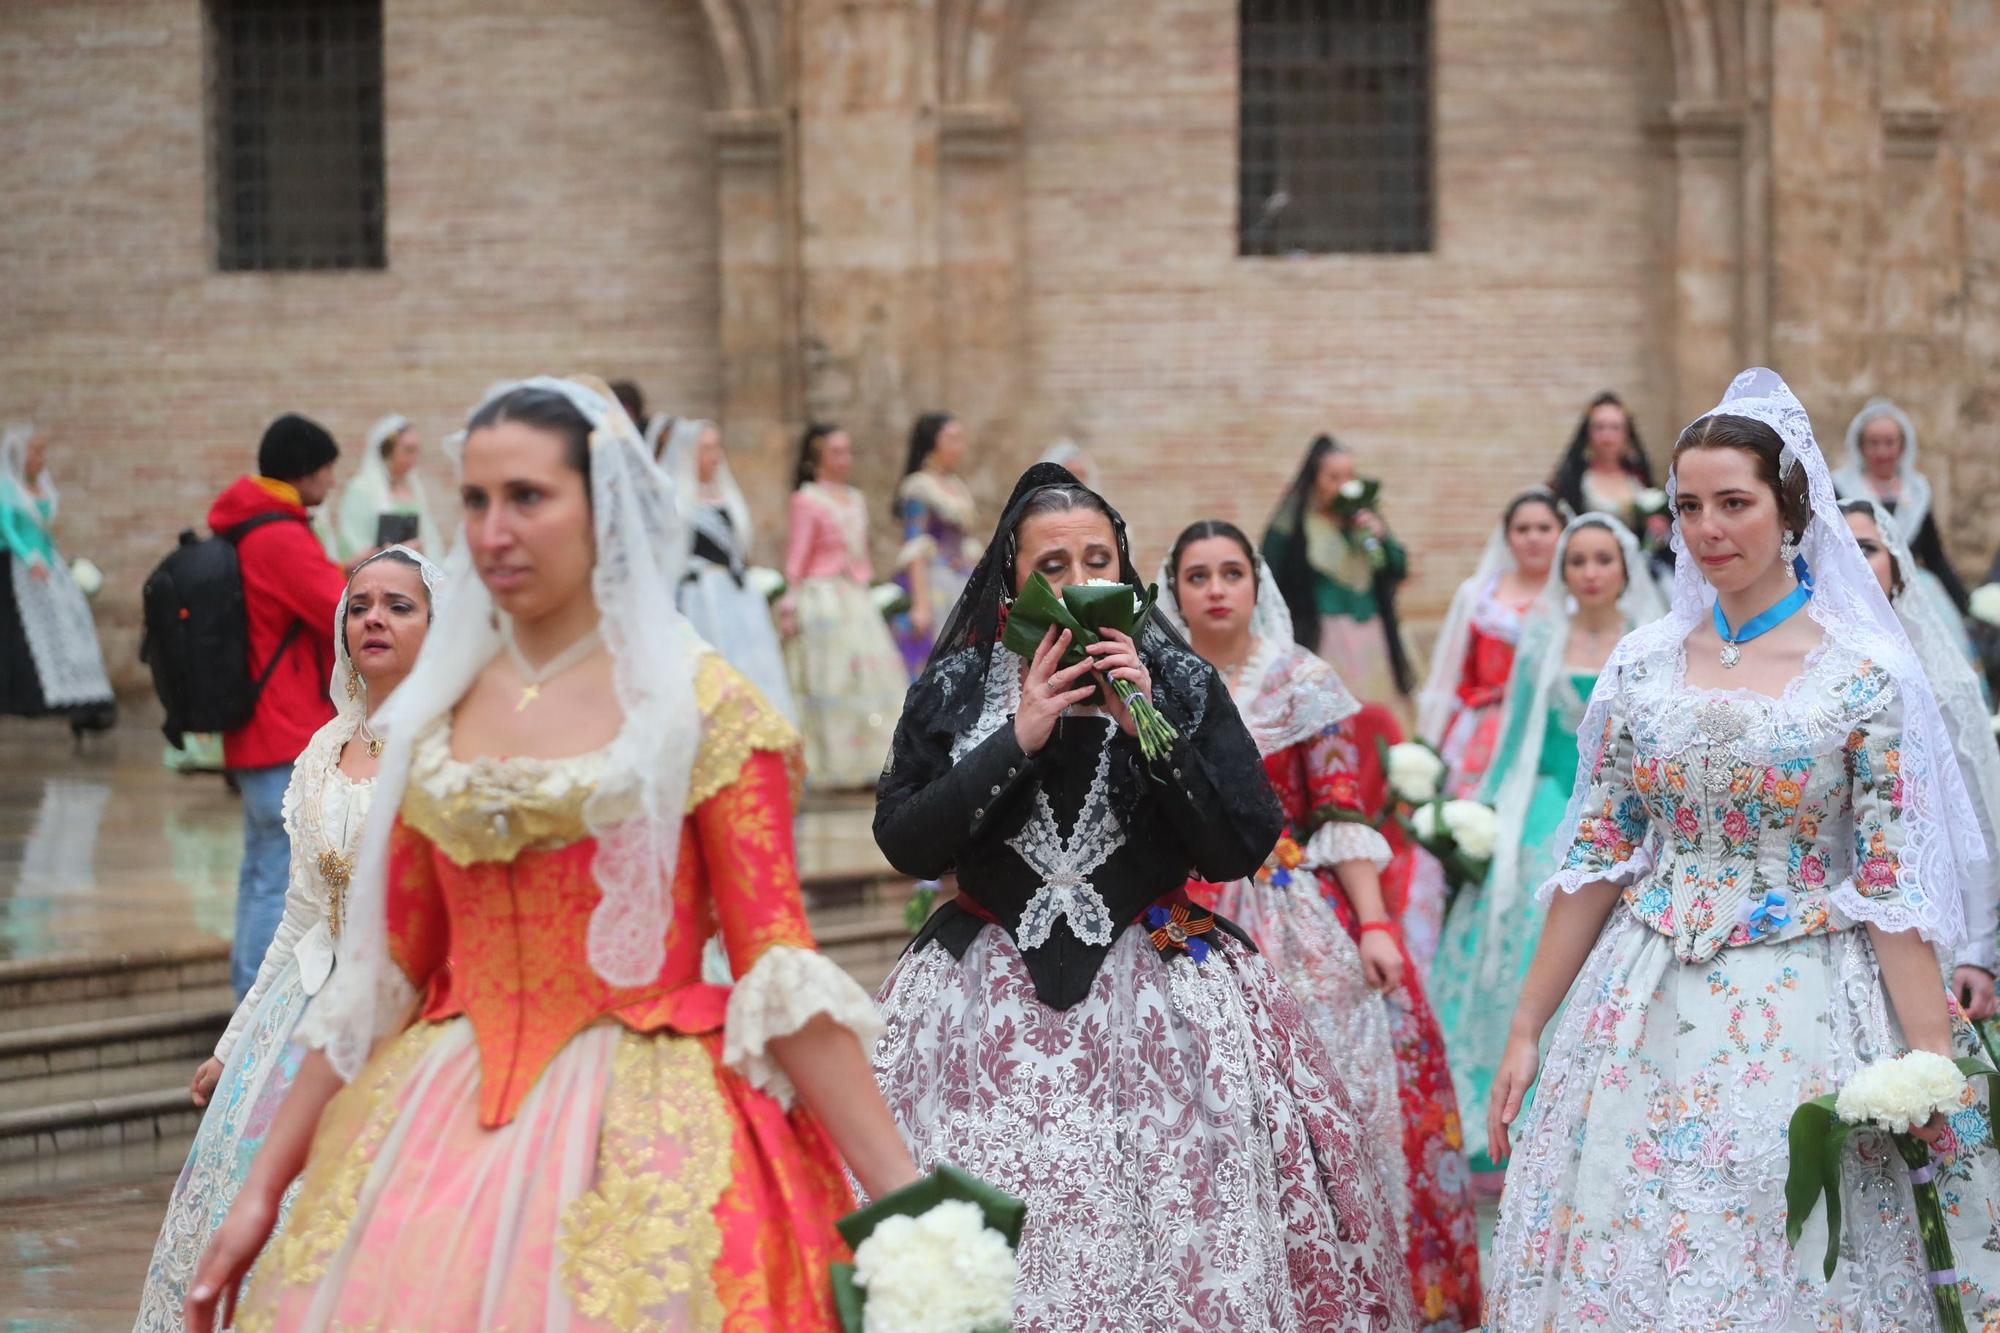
(245, 1101)
(1467, 748)
(1647, 1186)
(1483, 962)
(641, 1185)
(847, 679)
(1188, 1159)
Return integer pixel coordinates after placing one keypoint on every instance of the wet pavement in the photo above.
(74, 1263)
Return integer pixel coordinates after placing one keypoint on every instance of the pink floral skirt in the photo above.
(1188, 1157)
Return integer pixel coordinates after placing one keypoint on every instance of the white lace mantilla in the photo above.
(1286, 695)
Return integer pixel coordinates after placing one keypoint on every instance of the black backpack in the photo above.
(197, 636)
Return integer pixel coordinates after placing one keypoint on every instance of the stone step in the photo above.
(105, 1057)
(76, 988)
(97, 1139)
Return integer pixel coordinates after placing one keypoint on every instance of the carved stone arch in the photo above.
(744, 37)
(977, 41)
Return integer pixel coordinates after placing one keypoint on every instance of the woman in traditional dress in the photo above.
(1881, 465)
(561, 1124)
(1069, 454)
(1768, 837)
(1936, 635)
(846, 675)
(387, 487)
(1071, 1026)
(1338, 569)
(1596, 591)
(934, 507)
(50, 661)
(1301, 717)
(386, 611)
(1458, 712)
(724, 609)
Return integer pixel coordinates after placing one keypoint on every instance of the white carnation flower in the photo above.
(1414, 772)
(1353, 490)
(1902, 1092)
(1473, 827)
(1986, 603)
(89, 579)
(885, 595)
(1425, 821)
(943, 1272)
(1651, 500)
(764, 581)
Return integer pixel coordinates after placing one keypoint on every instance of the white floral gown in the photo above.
(1646, 1189)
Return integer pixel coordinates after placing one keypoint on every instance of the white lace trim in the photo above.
(1620, 874)
(1066, 864)
(1342, 840)
(62, 637)
(1287, 695)
(786, 989)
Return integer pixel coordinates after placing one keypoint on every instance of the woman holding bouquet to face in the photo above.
(1763, 860)
(1338, 567)
(1362, 994)
(1073, 1027)
(1596, 591)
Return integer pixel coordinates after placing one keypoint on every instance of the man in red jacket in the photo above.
(287, 581)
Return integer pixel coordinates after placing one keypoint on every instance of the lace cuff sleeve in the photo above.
(1890, 888)
(787, 989)
(1608, 845)
(1340, 840)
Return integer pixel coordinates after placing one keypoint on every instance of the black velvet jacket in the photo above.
(1204, 810)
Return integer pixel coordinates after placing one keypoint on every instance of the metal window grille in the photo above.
(1335, 130)
(297, 89)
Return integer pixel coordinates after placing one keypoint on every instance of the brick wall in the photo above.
(551, 206)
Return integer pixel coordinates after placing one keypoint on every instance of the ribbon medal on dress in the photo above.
(1180, 927)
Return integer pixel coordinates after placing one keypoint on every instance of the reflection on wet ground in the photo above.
(104, 849)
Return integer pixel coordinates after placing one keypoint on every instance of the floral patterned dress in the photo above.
(1647, 1184)
(1388, 1047)
(541, 1149)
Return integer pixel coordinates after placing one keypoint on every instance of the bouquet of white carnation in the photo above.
(933, 1257)
(89, 579)
(1896, 1097)
(765, 581)
(1650, 501)
(1415, 772)
(1986, 603)
(890, 599)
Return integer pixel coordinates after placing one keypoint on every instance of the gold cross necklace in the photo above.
(533, 678)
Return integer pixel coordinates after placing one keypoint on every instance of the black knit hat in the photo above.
(294, 447)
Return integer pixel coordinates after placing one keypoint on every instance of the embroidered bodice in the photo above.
(828, 536)
(491, 891)
(1731, 818)
(937, 513)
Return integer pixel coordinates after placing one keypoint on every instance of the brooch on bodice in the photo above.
(336, 870)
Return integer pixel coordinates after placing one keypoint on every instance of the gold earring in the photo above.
(353, 684)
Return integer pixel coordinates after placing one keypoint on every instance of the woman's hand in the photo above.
(1048, 691)
(1370, 522)
(204, 1082)
(1116, 657)
(1381, 960)
(226, 1262)
(1974, 988)
(1512, 1079)
(920, 618)
(39, 572)
(786, 611)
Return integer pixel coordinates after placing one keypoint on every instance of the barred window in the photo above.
(1334, 133)
(297, 126)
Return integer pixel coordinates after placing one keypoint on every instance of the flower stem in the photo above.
(1936, 1240)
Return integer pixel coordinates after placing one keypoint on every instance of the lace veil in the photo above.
(1937, 635)
(1539, 672)
(1438, 699)
(322, 752)
(635, 817)
(678, 459)
(1941, 844)
(1851, 480)
(14, 464)
(1271, 622)
(367, 495)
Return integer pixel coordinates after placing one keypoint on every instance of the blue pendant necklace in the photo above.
(1762, 623)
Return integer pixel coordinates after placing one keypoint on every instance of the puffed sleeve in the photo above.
(918, 544)
(1873, 755)
(1609, 846)
(745, 835)
(1332, 762)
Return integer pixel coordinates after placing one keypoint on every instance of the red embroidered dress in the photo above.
(540, 1148)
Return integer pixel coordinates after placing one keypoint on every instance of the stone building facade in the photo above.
(1025, 211)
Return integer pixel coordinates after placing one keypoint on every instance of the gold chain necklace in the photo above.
(533, 678)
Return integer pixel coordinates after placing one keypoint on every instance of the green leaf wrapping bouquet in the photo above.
(936, 1256)
(1086, 609)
